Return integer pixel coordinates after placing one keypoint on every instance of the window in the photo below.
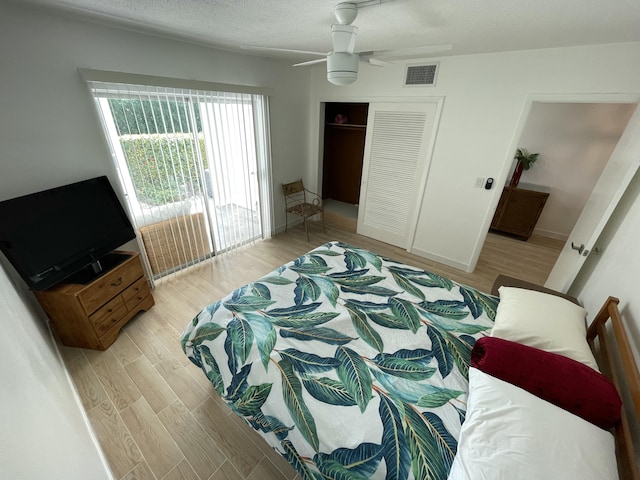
(195, 167)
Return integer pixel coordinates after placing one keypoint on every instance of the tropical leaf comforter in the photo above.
(351, 365)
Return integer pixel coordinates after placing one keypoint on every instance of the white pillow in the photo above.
(511, 434)
(543, 321)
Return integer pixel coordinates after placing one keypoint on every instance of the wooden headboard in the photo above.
(607, 360)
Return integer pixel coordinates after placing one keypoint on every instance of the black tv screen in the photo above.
(51, 235)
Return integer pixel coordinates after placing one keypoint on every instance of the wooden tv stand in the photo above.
(90, 315)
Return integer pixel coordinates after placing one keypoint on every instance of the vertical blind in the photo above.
(195, 166)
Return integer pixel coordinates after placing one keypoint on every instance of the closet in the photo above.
(383, 148)
(345, 126)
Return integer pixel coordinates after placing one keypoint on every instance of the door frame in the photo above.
(517, 134)
(317, 145)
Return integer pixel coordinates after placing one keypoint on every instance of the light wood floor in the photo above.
(157, 416)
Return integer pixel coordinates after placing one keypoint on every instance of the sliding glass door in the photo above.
(194, 165)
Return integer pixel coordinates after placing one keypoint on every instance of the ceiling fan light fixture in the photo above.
(342, 68)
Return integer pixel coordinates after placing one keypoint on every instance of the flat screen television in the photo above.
(63, 232)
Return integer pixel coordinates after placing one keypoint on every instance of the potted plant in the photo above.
(525, 162)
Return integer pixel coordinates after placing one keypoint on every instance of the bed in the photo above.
(352, 365)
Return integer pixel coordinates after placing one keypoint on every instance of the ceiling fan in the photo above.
(342, 61)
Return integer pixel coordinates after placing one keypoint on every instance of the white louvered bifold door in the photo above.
(394, 169)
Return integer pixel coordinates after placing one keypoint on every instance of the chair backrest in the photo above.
(294, 193)
(292, 188)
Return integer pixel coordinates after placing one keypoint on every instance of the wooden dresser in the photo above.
(518, 210)
(91, 315)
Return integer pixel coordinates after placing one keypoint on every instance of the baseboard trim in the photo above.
(549, 234)
(443, 260)
(315, 220)
(83, 411)
(292, 223)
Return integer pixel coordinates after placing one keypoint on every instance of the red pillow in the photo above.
(560, 380)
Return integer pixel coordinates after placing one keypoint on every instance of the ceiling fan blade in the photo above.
(284, 50)
(411, 52)
(376, 62)
(310, 62)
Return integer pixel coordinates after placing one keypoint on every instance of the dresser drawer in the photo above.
(137, 291)
(110, 285)
(105, 317)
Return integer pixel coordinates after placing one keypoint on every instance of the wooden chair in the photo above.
(302, 202)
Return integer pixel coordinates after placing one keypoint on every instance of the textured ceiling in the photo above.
(471, 26)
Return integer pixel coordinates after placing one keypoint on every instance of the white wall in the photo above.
(44, 434)
(482, 117)
(575, 141)
(615, 270)
(48, 126)
(49, 136)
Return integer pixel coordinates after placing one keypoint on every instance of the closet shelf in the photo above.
(346, 125)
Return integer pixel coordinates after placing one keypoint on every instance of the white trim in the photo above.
(91, 75)
(549, 234)
(443, 260)
(316, 145)
(319, 103)
(295, 220)
(517, 134)
(78, 400)
(583, 98)
(375, 99)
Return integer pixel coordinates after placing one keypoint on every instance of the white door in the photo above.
(613, 182)
(395, 163)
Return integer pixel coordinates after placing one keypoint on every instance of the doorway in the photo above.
(575, 141)
(194, 166)
(345, 127)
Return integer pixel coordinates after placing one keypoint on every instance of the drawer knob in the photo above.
(114, 320)
(117, 282)
(110, 310)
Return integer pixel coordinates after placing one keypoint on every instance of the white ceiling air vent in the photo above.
(421, 75)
